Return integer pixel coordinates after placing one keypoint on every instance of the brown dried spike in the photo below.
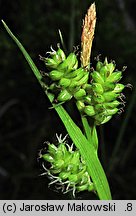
(88, 35)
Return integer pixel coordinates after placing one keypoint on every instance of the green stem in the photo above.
(103, 146)
(86, 128)
(90, 132)
(94, 136)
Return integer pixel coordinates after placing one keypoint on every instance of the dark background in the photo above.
(25, 120)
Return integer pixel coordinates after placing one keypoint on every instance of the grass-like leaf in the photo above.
(88, 151)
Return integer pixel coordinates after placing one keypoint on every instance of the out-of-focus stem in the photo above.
(122, 131)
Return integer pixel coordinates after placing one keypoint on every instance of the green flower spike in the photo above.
(104, 92)
(66, 80)
(67, 170)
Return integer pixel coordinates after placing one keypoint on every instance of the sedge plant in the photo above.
(97, 94)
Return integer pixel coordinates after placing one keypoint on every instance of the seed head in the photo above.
(88, 35)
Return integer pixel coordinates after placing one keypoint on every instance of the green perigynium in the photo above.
(56, 58)
(66, 168)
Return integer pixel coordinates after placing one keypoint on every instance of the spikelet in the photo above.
(103, 93)
(66, 79)
(88, 35)
(66, 168)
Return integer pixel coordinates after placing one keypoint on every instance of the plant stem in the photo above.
(90, 132)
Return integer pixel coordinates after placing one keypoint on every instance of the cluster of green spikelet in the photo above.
(96, 91)
(68, 170)
(97, 94)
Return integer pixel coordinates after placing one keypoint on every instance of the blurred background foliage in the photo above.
(25, 120)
